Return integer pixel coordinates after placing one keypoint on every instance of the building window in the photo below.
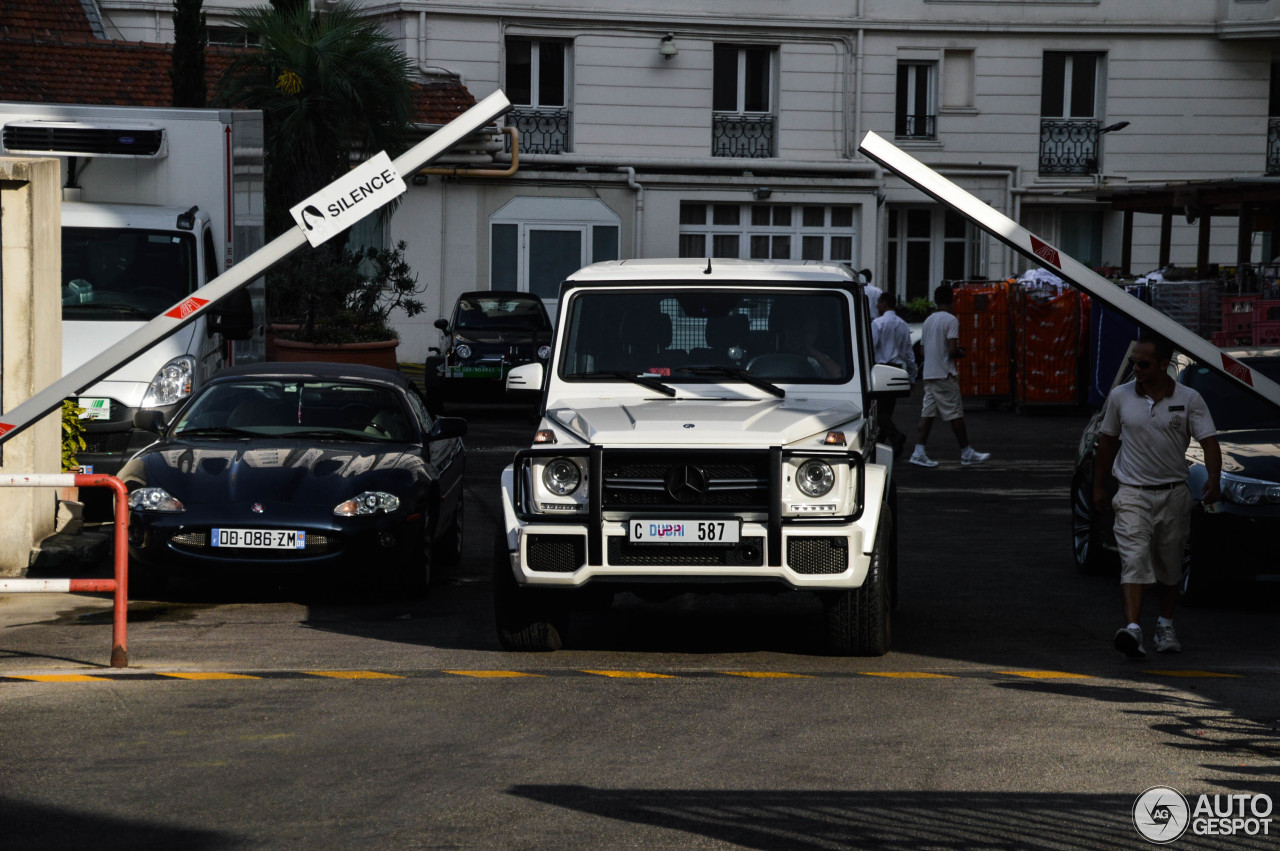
(742, 121)
(1069, 97)
(236, 36)
(928, 245)
(916, 115)
(957, 82)
(537, 83)
(535, 243)
(768, 231)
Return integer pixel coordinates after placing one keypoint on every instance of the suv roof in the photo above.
(718, 271)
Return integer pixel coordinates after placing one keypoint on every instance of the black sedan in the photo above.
(1236, 542)
(306, 469)
(491, 332)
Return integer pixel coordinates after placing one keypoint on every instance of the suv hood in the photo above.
(697, 422)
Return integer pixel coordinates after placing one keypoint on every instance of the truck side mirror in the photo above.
(233, 316)
(443, 325)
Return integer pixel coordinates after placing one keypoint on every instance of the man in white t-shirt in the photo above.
(1147, 425)
(891, 344)
(872, 292)
(940, 339)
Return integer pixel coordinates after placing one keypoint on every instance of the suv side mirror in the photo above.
(233, 316)
(443, 325)
(526, 377)
(889, 380)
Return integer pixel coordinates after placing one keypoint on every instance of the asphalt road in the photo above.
(291, 717)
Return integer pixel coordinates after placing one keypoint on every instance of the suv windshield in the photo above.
(790, 336)
(1231, 406)
(124, 274)
(476, 312)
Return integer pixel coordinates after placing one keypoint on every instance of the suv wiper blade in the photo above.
(740, 374)
(642, 380)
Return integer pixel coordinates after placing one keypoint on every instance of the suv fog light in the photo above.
(815, 478)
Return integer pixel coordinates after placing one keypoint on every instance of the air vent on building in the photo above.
(75, 139)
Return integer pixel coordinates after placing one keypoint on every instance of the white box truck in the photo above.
(157, 202)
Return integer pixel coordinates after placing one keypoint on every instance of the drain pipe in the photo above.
(638, 226)
(510, 132)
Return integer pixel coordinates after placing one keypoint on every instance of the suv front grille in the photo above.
(748, 553)
(686, 481)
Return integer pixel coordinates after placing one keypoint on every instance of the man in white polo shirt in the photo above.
(940, 339)
(1147, 425)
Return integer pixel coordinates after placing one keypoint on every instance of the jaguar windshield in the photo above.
(705, 334)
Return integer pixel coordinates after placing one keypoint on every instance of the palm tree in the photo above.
(330, 84)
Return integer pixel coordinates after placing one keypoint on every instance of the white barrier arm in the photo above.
(1073, 272)
(25, 413)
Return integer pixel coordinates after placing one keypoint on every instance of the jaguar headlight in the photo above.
(544, 352)
(367, 503)
(815, 478)
(462, 350)
(561, 476)
(157, 500)
(172, 383)
(1244, 491)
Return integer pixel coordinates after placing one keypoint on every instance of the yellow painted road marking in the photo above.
(212, 675)
(908, 675)
(62, 678)
(354, 675)
(1046, 675)
(632, 675)
(488, 674)
(766, 675)
(1190, 674)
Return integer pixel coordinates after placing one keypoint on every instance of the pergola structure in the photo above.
(1254, 202)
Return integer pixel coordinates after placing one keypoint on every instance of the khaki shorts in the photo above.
(1152, 528)
(942, 399)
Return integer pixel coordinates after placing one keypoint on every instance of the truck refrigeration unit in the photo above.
(156, 203)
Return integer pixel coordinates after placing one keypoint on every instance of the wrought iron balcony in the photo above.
(916, 127)
(1068, 146)
(1273, 146)
(542, 131)
(734, 134)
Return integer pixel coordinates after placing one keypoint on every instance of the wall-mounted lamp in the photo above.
(1111, 128)
(761, 193)
(667, 47)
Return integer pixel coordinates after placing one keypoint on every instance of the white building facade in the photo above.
(717, 129)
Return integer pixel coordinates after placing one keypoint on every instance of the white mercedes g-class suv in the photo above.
(705, 425)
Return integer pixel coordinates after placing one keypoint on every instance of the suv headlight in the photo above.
(172, 383)
(1244, 491)
(462, 350)
(369, 502)
(556, 484)
(815, 478)
(561, 476)
(158, 500)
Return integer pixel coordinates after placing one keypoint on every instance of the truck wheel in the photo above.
(433, 386)
(528, 619)
(859, 619)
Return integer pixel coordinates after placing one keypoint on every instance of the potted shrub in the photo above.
(341, 299)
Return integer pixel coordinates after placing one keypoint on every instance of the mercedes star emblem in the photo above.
(686, 483)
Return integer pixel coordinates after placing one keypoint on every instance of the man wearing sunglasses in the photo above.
(1147, 425)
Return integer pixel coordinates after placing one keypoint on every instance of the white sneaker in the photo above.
(1128, 641)
(1167, 640)
(922, 460)
(971, 456)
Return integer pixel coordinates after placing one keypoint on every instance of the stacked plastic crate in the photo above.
(1266, 323)
(982, 307)
(1237, 321)
(1048, 324)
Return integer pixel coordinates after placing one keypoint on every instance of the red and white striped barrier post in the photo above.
(120, 584)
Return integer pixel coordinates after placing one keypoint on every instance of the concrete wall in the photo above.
(31, 355)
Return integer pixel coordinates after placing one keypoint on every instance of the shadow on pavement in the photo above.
(26, 825)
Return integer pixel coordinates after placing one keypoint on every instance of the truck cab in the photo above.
(704, 425)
